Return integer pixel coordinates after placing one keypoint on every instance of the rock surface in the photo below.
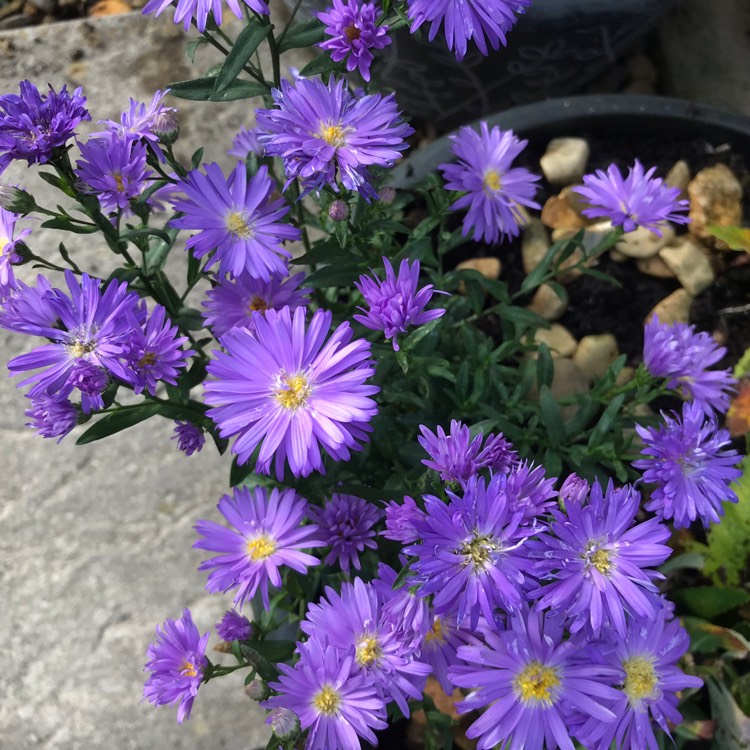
(715, 198)
(594, 354)
(674, 308)
(490, 268)
(643, 243)
(690, 264)
(558, 338)
(534, 244)
(564, 161)
(547, 304)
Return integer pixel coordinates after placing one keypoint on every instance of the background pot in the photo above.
(555, 49)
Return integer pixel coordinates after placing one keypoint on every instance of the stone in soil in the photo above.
(534, 244)
(594, 354)
(715, 199)
(690, 264)
(557, 213)
(673, 309)
(558, 338)
(679, 177)
(643, 243)
(547, 304)
(654, 267)
(564, 161)
(490, 268)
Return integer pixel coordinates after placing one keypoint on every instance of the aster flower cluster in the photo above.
(9, 240)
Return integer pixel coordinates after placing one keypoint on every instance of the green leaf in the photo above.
(69, 226)
(306, 34)
(411, 341)
(733, 727)
(132, 234)
(202, 90)
(247, 42)
(551, 417)
(710, 601)
(339, 274)
(738, 238)
(605, 421)
(263, 655)
(402, 360)
(545, 366)
(190, 319)
(192, 46)
(320, 66)
(119, 420)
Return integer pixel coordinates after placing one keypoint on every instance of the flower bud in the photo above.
(574, 490)
(16, 200)
(257, 689)
(165, 126)
(338, 211)
(285, 723)
(387, 195)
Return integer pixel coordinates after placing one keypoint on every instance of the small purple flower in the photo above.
(689, 462)
(336, 704)
(482, 21)
(574, 489)
(189, 437)
(457, 458)
(237, 220)
(319, 130)
(32, 126)
(285, 723)
(177, 662)
(494, 191)
(682, 355)
(346, 524)
(233, 304)
(114, 170)
(400, 519)
(28, 309)
(234, 627)
(440, 647)
(8, 254)
(288, 390)
(395, 304)
(403, 611)
(352, 33)
(198, 10)
(90, 381)
(139, 120)
(52, 416)
(266, 534)
(638, 200)
(245, 143)
(530, 491)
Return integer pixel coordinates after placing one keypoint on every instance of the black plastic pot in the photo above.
(556, 48)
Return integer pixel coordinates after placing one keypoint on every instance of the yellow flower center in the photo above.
(292, 391)
(81, 349)
(261, 547)
(478, 550)
(327, 700)
(149, 358)
(4, 242)
(257, 304)
(368, 651)
(600, 560)
(333, 135)
(238, 226)
(118, 182)
(491, 180)
(640, 679)
(188, 669)
(536, 683)
(436, 632)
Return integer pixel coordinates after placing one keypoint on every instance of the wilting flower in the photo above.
(232, 304)
(140, 120)
(399, 520)
(52, 416)
(333, 702)
(494, 191)
(481, 21)
(8, 255)
(198, 10)
(266, 534)
(457, 458)
(352, 34)
(237, 220)
(177, 662)
(682, 355)
(689, 462)
(286, 389)
(638, 200)
(189, 437)
(346, 527)
(320, 129)
(245, 143)
(32, 126)
(395, 304)
(234, 627)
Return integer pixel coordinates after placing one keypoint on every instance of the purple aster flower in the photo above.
(346, 524)
(648, 684)
(457, 458)
(91, 326)
(288, 390)
(237, 219)
(189, 437)
(52, 416)
(32, 126)
(529, 490)
(154, 352)
(399, 520)
(318, 129)
(482, 21)
(336, 704)
(8, 255)
(395, 304)
(574, 489)
(353, 623)
(536, 687)
(197, 10)
(682, 355)
(28, 309)
(114, 170)
(494, 191)
(234, 627)
(689, 462)
(468, 555)
(232, 304)
(352, 34)
(403, 610)
(139, 119)
(90, 380)
(177, 662)
(598, 561)
(245, 143)
(638, 200)
(266, 534)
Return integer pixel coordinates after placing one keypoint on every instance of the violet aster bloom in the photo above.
(682, 355)
(346, 526)
(352, 33)
(52, 416)
(494, 191)
(334, 703)
(395, 304)
(114, 170)
(237, 219)
(457, 458)
(403, 611)
(291, 392)
(177, 662)
(32, 126)
(535, 686)
(599, 562)
(189, 437)
(399, 520)
(197, 10)
(529, 490)
(688, 459)
(574, 489)
(245, 143)
(28, 309)
(234, 627)
(638, 200)
(139, 119)
(90, 381)
(232, 304)
(266, 534)
(8, 254)
(319, 129)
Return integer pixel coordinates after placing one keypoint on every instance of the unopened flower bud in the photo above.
(16, 200)
(387, 195)
(574, 490)
(257, 689)
(285, 723)
(339, 211)
(165, 126)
